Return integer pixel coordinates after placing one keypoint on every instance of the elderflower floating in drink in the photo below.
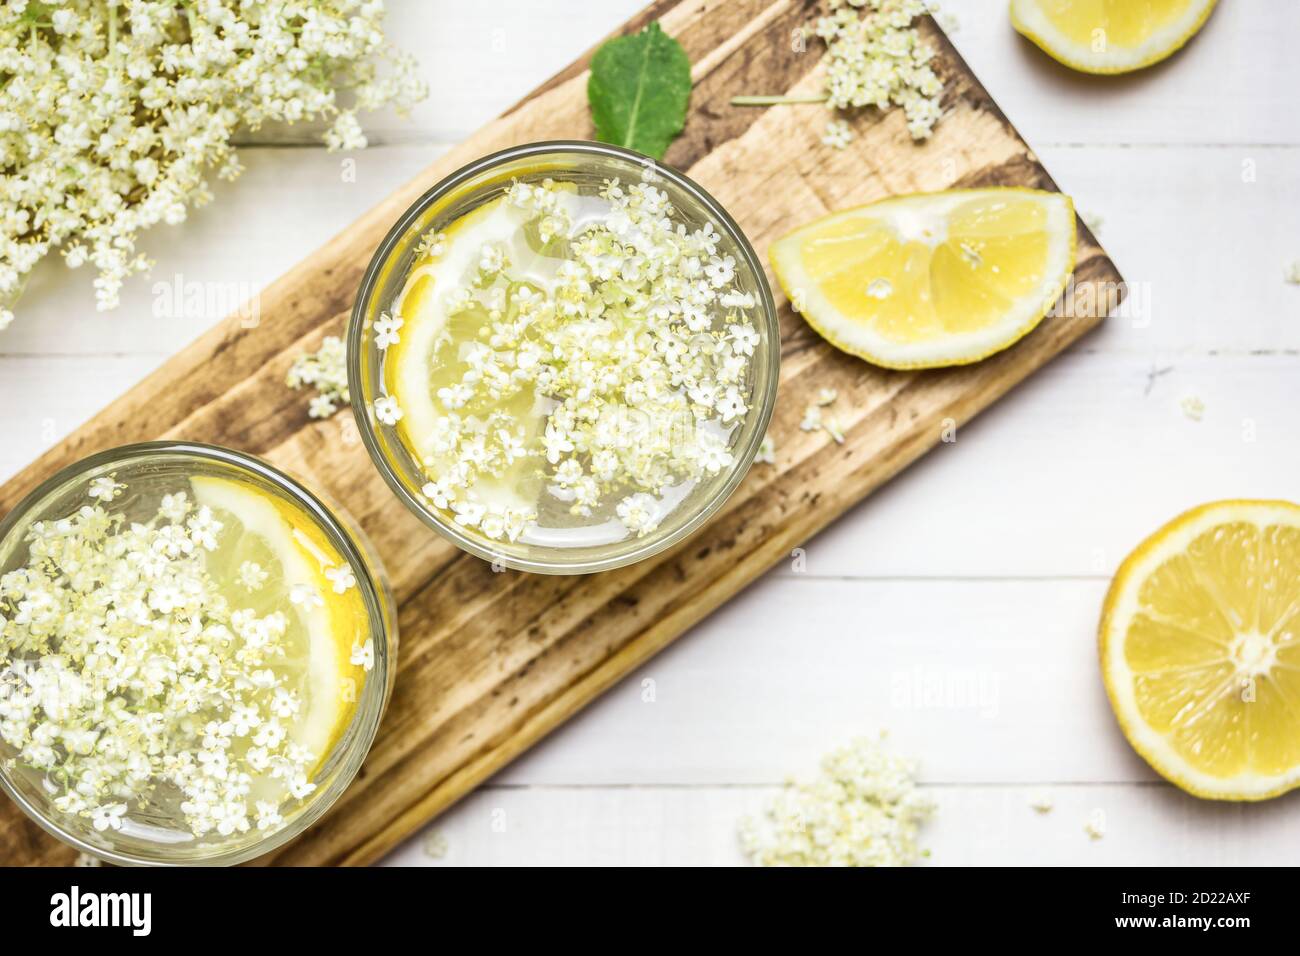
(194, 655)
(566, 357)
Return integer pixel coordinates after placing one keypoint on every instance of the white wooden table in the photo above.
(957, 608)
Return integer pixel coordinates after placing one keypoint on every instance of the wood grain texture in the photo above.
(491, 662)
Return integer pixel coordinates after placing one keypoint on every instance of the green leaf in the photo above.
(638, 91)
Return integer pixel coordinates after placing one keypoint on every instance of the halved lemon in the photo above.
(1109, 36)
(931, 279)
(321, 632)
(1200, 649)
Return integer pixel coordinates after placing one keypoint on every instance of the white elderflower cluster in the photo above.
(326, 370)
(838, 134)
(862, 810)
(642, 343)
(130, 682)
(876, 57)
(113, 112)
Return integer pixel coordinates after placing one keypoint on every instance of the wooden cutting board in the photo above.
(492, 662)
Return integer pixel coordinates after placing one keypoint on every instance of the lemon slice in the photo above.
(429, 354)
(410, 373)
(318, 641)
(1109, 36)
(930, 279)
(1200, 649)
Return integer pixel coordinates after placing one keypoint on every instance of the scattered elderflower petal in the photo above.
(838, 135)
(827, 396)
(1041, 803)
(341, 578)
(387, 330)
(832, 428)
(105, 488)
(863, 809)
(1291, 272)
(947, 20)
(435, 844)
(812, 418)
(431, 246)
(1193, 408)
(363, 655)
(306, 596)
(766, 451)
(252, 575)
(639, 513)
(387, 410)
(326, 371)
(1095, 826)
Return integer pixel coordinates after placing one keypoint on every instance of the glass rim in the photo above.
(373, 596)
(765, 387)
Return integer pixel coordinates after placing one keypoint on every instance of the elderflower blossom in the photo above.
(838, 134)
(642, 343)
(132, 684)
(114, 114)
(876, 57)
(863, 809)
(326, 371)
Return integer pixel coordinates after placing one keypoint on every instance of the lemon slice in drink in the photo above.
(931, 279)
(323, 625)
(430, 353)
(1200, 649)
(1109, 36)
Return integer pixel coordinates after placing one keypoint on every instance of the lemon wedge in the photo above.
(930, 279)
(295, 554)
(1200, 649)
(1109, 36)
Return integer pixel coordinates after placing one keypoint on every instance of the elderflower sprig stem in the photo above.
(778, 100)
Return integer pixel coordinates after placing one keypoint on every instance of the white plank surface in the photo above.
(974, 826)
(957, 607)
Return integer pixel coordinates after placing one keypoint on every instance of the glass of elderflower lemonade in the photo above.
(195, 653)
(564, 357)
